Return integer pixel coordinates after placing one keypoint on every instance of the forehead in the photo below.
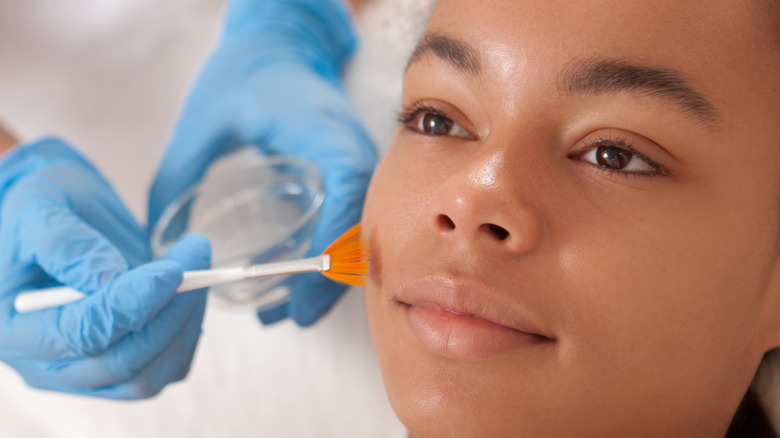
(724, 48)
(588, 76)
(662, 30)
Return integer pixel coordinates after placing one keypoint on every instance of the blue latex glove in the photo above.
(61, 223)
(273, 81)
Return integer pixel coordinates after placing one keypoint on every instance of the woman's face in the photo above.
(575, 231)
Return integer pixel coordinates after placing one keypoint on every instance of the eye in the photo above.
(434, 124)
(620, 157)
(430, 121)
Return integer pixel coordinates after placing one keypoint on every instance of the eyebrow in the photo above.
(458, 54)
(611, 76)
(588, 76)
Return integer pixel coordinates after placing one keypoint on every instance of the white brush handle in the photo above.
(43, 298)
(58, 296)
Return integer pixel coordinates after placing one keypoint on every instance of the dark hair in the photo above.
(751, 420)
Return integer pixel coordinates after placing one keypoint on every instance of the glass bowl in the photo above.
(254, 209)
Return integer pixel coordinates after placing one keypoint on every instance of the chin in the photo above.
(436, 396)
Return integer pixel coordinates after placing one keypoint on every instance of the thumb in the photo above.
(191, 253)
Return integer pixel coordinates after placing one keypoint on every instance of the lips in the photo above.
(465, 318)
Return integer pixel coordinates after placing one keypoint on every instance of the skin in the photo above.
(356, 4)
(6, 140)
(640, 302)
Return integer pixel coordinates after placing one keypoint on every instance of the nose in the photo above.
(485, 204)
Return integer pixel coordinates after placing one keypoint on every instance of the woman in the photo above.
(575, 230)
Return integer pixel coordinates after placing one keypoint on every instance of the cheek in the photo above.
(397, 197)
(392, 213)
(677, 288)
(394, 217)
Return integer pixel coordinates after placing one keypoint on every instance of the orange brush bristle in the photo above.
(349, 259)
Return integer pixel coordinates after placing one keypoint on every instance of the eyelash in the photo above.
(657, 171)
(408, 118)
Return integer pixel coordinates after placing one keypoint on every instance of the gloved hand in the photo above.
(274, 82)
(61, 223)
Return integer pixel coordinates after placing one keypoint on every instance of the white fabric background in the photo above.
(110, 76)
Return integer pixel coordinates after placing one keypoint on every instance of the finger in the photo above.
(192, 253)
(144, 361)
(329, 134)
(171, 364)
(274, 314)
(119, 373)
(313, 295)
(52, 236)
(130, 304)
(140, 364)
(312, 298)
(88, 326)
(92, 198)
